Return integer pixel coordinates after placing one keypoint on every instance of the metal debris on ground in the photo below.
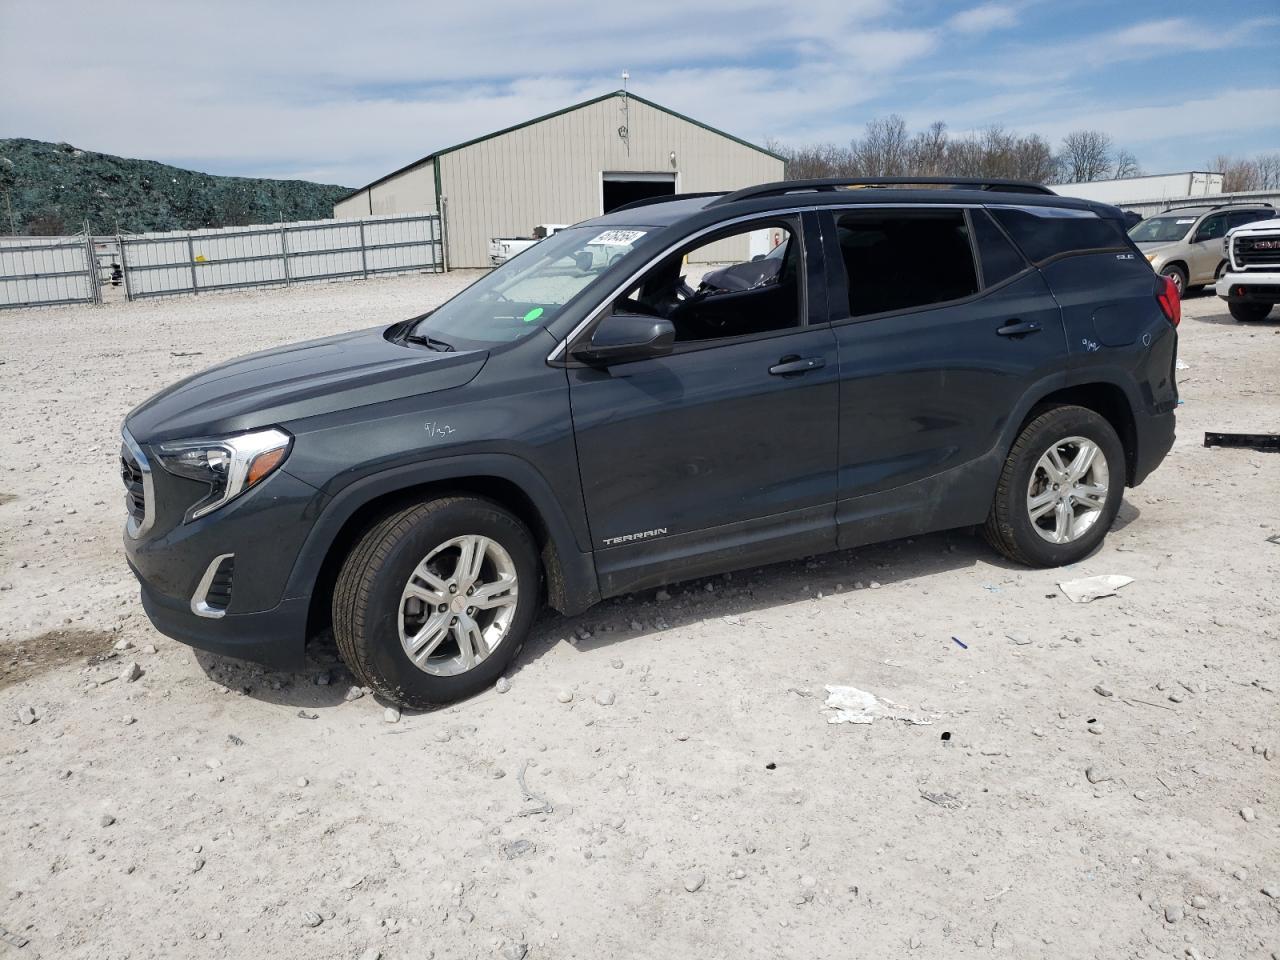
(13, 939)
(852, 705)
(544, 806)
(946, 799)
(1249, 441)
(1091, 588)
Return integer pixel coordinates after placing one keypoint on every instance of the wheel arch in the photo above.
(1104, 398)
(569, 572)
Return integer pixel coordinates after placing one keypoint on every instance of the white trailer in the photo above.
(1165, 186)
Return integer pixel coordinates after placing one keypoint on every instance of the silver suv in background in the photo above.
(1184, 243)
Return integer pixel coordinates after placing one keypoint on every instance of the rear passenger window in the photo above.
(1044, 232)
(900, 259)
(1000, 259)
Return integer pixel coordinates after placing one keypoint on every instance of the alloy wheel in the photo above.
(1067, 492)
(458, 605)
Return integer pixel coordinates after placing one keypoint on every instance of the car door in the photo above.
(934, 361)
(1205, 251)
(721, 454)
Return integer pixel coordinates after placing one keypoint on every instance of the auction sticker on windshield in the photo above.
(619, 237)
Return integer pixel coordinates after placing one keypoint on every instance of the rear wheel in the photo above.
(1179, 278)
(1249, 312)
(1059, 490)
(434, 602)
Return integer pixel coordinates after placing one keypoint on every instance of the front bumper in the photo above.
(263, 531)
(1251, 287)
(275, 638)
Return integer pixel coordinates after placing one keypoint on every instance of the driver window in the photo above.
(739, 283)
(1211, 227)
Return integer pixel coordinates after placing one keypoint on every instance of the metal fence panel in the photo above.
(42, 271)
(238, 257)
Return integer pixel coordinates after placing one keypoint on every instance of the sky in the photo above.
(344, 92)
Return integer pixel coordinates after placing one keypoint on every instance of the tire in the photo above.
(1194, 290)
(1249, 312)
(1179, 278)
(373, 609)
(1010, 527)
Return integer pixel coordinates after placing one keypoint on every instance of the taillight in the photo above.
(1170, 302)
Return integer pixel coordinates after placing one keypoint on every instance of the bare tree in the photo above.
(927, 152)
(889, 149)
(1260, 173)
(1085, 155)
(883, 151)
(1124, 164)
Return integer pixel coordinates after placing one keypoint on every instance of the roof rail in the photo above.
(1218, 206)
(835, 183)
(647, 201)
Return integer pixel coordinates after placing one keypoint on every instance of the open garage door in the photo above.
(620, 188)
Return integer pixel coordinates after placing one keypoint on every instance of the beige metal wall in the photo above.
(550, 172)
(413, 191)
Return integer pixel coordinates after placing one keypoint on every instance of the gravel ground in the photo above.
(660, 780)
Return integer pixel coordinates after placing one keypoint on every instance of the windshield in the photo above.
(527, 291)
(1161, 229)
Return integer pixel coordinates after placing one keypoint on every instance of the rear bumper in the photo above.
(1253, 287)
(275, 638)
(1155, 435)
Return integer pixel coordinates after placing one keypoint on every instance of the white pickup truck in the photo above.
(1250, 279)
(502, 249)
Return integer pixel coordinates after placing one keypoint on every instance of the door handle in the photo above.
(1018, 329)
(792, 365)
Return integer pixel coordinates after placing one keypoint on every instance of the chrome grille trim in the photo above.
(140, 497)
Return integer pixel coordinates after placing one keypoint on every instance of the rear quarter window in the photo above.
(1047, 232)
(1000, 259)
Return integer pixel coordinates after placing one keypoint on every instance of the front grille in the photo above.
(1257, 252)
(135, 490)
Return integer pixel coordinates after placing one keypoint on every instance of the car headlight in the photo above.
(229, 465)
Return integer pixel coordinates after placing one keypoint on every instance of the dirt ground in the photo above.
(210, 809)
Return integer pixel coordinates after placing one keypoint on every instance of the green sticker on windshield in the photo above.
(533, 315)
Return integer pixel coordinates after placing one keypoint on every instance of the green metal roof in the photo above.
(557, 113)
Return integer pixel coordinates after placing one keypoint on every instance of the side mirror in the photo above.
(627, 336)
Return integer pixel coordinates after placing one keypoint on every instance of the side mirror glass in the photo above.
(620, 337)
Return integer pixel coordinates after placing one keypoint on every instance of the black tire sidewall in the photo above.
(1178, 276)
(385, 656)
(1250, 312)
(1072, 422)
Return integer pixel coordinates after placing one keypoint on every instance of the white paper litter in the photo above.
(1091, 588)
(1179, 365)
(852, 705)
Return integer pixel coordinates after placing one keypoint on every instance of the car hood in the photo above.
(1156, 246)
(300, 380)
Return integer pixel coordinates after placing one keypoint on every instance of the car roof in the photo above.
(713, 208)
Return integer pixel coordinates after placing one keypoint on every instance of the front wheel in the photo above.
(1059, 490)
(1179, 278)
(435, 601)
(1249, 312)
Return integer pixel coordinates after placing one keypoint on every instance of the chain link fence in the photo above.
(42, 271)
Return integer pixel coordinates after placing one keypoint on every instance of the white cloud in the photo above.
(345, 94)
(984, 18)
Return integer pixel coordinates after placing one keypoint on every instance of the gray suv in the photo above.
(1185, 243)
(572, 427)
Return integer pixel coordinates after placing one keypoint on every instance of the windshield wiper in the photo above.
(430, 342)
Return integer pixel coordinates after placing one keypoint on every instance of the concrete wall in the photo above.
(551, 171)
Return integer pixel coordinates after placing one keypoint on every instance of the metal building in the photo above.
(564, 167)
